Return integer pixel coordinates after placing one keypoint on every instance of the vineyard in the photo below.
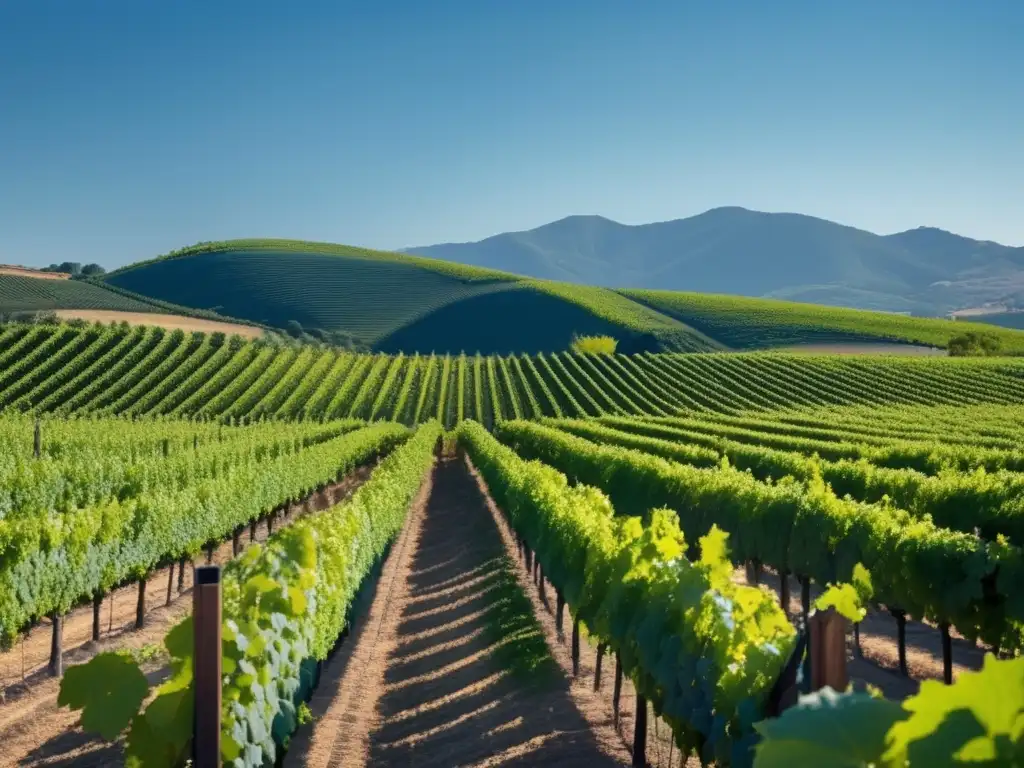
(29, 294)
(680, 518)
(146, 371)
(742, 322)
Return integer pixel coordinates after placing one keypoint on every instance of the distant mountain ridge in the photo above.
(925, 271)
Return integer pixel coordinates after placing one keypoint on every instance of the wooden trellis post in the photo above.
(206, 618)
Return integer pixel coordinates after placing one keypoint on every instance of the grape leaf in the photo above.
(827, 729)
(109, 690)
(844, 599)
(975, 720)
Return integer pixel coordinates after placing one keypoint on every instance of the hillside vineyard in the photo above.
(145, 371)
(636, 485)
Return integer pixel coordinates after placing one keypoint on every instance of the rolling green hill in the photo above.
(747, 323)
(394, 302)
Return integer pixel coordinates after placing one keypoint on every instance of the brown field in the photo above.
(10, 269)
(171, 322)
(868, 348)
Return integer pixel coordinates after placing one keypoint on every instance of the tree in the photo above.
(93, 269)
(294, 328)
(974, 344)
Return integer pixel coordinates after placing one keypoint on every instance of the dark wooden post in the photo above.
(575, 647)
(206, 617)
(37, 440)
(170, 581)
(784, 591)
(140, 606)
(540, 585)
(270, 524)
(529, 561)
(252, 531)
(640, 733)
(805, 597)
(901, 638)
(947, 654)
(167, 447)
(209, 553)
(195, 442)
(856, 639)
(181, 575)
(559, 611)
(236, 542)
(617, 689)
(601, 648)
(56, 665)
(828, 651)
(97, 603)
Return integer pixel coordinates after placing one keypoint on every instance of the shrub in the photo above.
(594, 345)
(974, 344)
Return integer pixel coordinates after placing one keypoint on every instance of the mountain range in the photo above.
(924, 271)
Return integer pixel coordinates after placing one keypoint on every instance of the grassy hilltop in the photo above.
(393, 302)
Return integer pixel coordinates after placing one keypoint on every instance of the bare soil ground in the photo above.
(34, 731)
(171, 322)
(422, 680)
(868, 348)
(10, 269)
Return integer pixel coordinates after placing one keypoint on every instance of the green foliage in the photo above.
(593, 345)
(109, 690)
(803, 528)
(105, 506)
(704, 650)
(283, 603)
(979, 720)
(974, 344)
(828, 730)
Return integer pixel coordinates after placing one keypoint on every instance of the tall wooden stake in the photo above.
(559, 611)
(828, 651)
(784, 591)
(56, 666)
(947, 654)
(140, 606)
(97, 603)
(617, 689)
(901, 638)
(181, 575)
(601, 648)
(170, 581)
(206, 617)
(805, 597)
(640, 733)
(575, 647)
(252, 531)
(37, 440)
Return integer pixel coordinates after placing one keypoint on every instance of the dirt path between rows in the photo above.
(424, 679)
(34, 731)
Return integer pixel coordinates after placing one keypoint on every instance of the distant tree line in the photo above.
(75, 269)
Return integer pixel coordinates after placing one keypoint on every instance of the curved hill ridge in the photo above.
(396, 302)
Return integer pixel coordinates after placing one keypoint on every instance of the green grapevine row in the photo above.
(934, 573)
(702, 649)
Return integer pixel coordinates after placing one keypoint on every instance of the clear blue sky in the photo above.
(130, 127)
